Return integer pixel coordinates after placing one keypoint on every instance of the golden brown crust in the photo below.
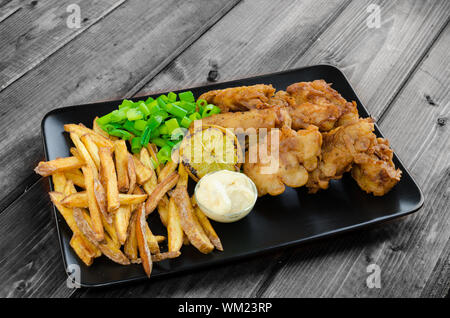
(239, 98)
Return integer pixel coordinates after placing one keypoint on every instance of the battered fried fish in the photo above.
(297, 154)
(307, 103)
(374, 170)
(355, 147)
(316, 103)
(240, 98)
(255, 118)
(348, 141)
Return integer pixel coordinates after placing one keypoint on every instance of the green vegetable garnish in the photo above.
(162, 121)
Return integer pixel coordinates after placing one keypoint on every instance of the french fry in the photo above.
(67, 214)
(160, 190)
(74, 152)
(111, 230)
(77, 244)
(152, 150)
(160, 238)
(121, 220)
(108, 172)
(151, 241)
(112, 251)
(100, 196)
(84, 153)
(144, 250)
(163, 210)
(189, 222)
(69, 188)
(131, 174)
(47, 168)
(144, 156)
(163, 204)
(96, 127)
(174, 230)
(130, 247)
(94, 210)
(76, 176)
(121, 157)
(163, 256)
(80, 199)
(207, 227)
(143, 174)
(160, 257)
(167, 170)
(128, 199)
(91, 148)
(183, 181)
(81, 130)
(76, 200)
(59, 181)
(150, 185)
(107, 247)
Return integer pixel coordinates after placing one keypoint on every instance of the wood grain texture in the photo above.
(9, 7)
(377, 61)
(39, 30)
(109, 58)
(30, 257)
(410, 250)
(239, 47)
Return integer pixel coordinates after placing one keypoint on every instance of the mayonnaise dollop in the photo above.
(226, 195)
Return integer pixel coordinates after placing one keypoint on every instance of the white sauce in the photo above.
(225, 192)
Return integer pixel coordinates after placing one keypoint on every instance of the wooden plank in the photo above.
(109, 59)
(39, 30)
(268, 42)
(247, 274)
(9, 7)
(377, 61)
(439, 281)
(30, 257)
(408, 250)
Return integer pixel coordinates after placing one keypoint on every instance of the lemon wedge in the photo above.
(208, 149)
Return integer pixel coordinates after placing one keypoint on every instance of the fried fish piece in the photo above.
(239, 98)
(316, 103)
(374, 170)
(255, 118)
(355, 147)
(298, 153)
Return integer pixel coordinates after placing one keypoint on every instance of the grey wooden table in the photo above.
(122, 48)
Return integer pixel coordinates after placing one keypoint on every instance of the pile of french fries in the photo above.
(105, 194)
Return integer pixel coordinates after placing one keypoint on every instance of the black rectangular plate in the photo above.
(292, 218)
